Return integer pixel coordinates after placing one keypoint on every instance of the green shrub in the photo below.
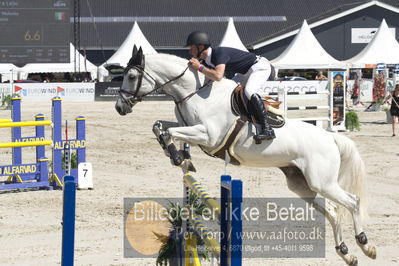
(74, 160)
(352, 121)
(6, 101)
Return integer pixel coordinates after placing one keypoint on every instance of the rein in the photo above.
(193, 93)
(142, 71)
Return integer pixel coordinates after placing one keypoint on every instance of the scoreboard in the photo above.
(34, 31)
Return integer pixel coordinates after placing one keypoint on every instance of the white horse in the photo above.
(314, 161)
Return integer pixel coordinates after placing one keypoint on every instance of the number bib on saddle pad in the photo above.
(241, 107)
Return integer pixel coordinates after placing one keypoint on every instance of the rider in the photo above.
(251, 70)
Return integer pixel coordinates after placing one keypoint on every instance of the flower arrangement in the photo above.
(168, 254)
(379, 88)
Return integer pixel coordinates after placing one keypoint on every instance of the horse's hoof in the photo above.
(372, 253)
(353, 261)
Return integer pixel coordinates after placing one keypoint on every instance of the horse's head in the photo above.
(136, 83)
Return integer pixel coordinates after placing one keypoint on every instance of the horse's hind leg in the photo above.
(296, 182)
(352, 203)
(330, 189)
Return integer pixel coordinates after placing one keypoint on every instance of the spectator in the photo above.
(320, 76)
(394, 97)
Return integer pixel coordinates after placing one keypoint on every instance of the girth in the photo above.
(226, 145)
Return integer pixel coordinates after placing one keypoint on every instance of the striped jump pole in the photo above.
(309, 107)
(307, 92)
(227, 250)
(205, 234)
(318, 121)
(202, 193)
(298, 93)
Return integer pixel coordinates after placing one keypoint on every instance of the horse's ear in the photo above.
(140, 56)
(134, 51)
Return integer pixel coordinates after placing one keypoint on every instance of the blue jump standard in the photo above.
(68, 221)
(37, 175)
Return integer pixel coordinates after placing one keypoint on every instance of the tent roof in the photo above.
(383, 48)
(6, 67)
(124, 53)
(231, 38)
(305, 52)
(61, 67)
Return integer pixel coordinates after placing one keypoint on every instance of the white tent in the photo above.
(383, 48)
(85, 65)
(124, 53)
(8, 72)
(231, 38)
(305, 52)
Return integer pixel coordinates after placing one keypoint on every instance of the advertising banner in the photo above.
(297, 86)
(107, 91)
(365, 35)
(337, 100)
(77, 92)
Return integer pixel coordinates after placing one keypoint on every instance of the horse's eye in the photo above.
(132, 78)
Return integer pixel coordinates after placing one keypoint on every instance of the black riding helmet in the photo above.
(198, 38)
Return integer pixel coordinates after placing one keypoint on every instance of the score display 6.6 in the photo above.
(35, 31)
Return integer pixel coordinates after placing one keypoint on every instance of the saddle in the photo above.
(241, 107)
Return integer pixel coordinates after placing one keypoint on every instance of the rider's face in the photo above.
(193, 51)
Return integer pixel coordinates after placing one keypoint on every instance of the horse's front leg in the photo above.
(194, 135)
(166, 131)
(159, 128)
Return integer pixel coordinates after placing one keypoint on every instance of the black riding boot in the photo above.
(266, 131)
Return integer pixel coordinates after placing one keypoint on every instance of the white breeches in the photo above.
(256, 77)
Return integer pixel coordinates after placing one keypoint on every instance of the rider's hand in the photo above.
(194, 63)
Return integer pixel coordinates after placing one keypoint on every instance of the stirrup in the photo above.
(269, 135)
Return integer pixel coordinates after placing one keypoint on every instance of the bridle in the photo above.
(134, 97)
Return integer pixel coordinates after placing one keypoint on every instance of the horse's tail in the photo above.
(352, 174)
